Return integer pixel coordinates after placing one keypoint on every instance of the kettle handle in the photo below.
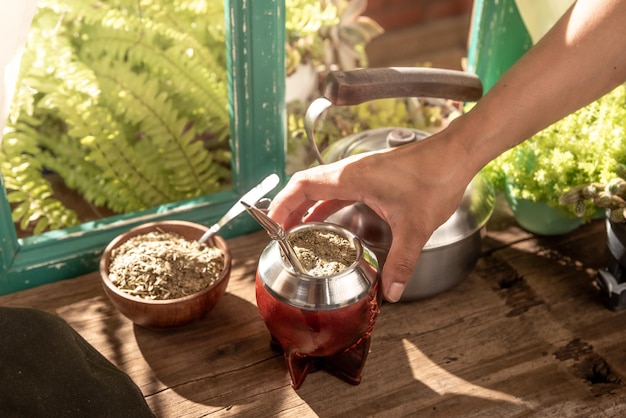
(345, 88)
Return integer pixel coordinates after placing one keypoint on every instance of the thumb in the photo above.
(398, 267)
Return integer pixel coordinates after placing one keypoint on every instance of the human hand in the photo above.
(414, 188)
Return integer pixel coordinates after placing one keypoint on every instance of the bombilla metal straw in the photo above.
(277, 233)
(256, 193)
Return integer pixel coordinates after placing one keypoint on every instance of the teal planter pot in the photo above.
(541, 219)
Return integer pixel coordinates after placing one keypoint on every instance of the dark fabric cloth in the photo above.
(48, 370)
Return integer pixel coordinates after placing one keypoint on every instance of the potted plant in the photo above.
(579, 149)
(321, 36)
(609, 197)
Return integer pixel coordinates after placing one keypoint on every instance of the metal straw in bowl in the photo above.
(256, 193)
(277, 233)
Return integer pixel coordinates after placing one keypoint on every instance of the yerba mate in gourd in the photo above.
(323, 317)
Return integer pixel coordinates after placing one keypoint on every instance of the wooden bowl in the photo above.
(161, 314)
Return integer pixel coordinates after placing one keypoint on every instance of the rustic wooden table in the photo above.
(524, 335)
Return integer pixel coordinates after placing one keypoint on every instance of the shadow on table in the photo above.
(215, 360)
(409, 373)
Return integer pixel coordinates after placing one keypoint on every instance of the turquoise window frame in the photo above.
(255, 48)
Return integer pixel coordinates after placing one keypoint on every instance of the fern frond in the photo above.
(30, 194)
(186, 72)
(126, 100)
(124, 182)
(189, 68)
(142, 103)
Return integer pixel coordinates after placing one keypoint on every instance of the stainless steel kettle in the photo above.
(453, 249)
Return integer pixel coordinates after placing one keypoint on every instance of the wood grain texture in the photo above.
(524, 335)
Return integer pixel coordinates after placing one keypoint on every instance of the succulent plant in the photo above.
(328, 34)
(610, 196)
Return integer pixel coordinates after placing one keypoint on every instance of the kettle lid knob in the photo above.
(400, 136)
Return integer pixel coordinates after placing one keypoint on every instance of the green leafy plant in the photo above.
(125, 100)
(328, 34)
(581, 148)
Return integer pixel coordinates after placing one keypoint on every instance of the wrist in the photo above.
(477, 140)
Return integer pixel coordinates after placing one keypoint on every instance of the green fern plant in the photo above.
(125, 100)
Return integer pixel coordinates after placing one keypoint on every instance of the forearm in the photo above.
(579, 60)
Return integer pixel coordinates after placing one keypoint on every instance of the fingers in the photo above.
(294, 217)
(291, 203)
(400, 263)
(306, 188)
